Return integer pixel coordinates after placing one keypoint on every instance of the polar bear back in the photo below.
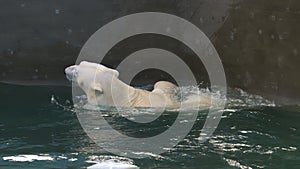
(168, 90)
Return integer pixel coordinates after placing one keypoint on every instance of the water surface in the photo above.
(39, 129)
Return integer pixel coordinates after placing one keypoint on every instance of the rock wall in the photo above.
(258, 41)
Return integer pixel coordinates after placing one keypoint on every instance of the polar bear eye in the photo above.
(75, 74)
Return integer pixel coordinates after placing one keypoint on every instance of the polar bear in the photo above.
(102, 87)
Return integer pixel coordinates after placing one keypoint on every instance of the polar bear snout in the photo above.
(71, 72)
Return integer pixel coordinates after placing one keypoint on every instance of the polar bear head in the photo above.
(92, 78)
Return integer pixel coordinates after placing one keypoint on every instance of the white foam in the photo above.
(28, 158)
(112, 165)
(234, 163)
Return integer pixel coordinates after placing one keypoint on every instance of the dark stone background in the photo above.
(258, 41)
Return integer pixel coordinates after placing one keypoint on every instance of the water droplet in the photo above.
(70, 31)
(168, 29)
(295, 51)
(22, 5)
(201, 20)
(52, 99)
(34, 77)
(67, 102)
(273, 17)
(231, 35)
(57, 11)
(260, 31)
(10, 51)
(210, 51)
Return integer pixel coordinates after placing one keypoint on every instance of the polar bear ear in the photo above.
(115, 72)
(97, 87)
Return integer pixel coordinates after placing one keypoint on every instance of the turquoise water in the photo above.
(40, 121)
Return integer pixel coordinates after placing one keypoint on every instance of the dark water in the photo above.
(247, 137)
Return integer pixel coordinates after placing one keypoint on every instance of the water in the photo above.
(39, 129)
